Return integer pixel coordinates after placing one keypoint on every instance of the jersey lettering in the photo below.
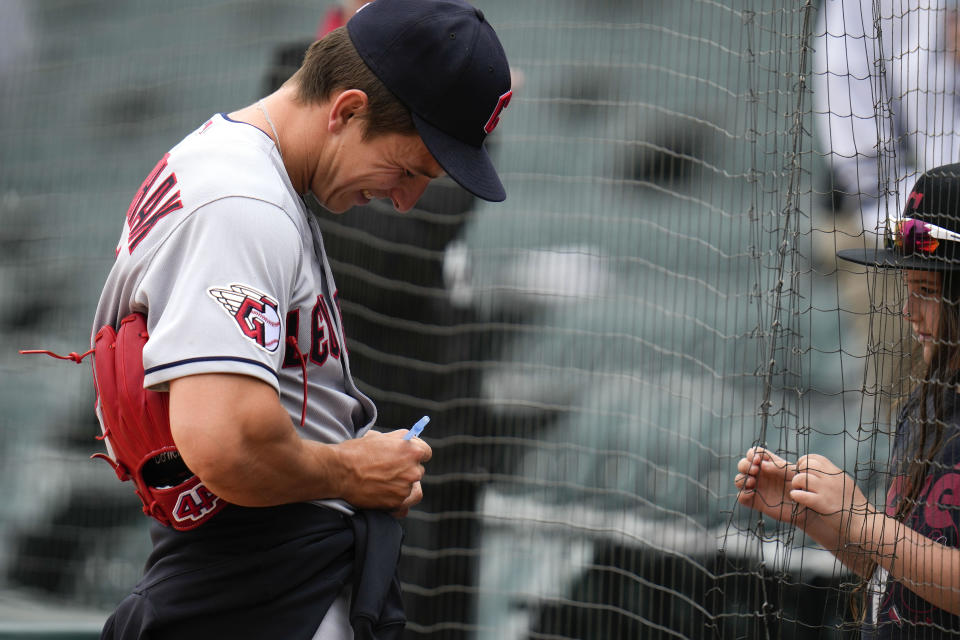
(290, 356)
(151, 204)
(323, 338)
(334, 343)
(336, 302)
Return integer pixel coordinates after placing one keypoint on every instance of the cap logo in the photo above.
(916, 237)
(914, 199)
(494, 119)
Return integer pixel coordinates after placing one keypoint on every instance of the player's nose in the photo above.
(910, 307)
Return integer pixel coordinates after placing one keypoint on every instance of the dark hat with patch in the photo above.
(927, 236)
(445, 63)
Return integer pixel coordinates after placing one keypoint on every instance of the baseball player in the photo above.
(276, 501)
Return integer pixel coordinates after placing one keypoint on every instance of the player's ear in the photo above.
(345, 106)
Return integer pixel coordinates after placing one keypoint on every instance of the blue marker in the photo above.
(417, 428)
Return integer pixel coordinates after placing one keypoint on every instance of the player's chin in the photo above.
(341, 203)
(340, 209)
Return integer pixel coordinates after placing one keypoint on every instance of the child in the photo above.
(909, 551)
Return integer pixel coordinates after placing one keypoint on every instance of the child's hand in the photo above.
(823, 487)
(765, 481)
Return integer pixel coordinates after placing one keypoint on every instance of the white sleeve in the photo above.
(928, 78)
(217, 291)
(847, 93)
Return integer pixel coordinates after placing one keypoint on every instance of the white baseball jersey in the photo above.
(220, 253)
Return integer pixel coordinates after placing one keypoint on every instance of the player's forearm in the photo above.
(235, 435)
(848, 553)
(928, 568)
(263, 472)
(377, 471)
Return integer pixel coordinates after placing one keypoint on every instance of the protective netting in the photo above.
(658, 293)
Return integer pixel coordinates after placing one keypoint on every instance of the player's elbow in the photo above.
(224, 427)
(214, 460)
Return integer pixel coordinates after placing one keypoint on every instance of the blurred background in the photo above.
(657, 294)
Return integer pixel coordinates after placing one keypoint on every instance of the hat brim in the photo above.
(890, 259)
(468, 165)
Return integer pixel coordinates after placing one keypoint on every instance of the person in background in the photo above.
(886, 75)
(337, 16)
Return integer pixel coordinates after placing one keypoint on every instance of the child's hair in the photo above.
(940, 378)
(937, 378)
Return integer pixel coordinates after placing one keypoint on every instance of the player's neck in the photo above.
(296, 129)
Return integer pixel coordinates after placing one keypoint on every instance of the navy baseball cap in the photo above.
(927, 235)
(443, 61)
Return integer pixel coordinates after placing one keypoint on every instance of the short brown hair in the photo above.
(332, 63)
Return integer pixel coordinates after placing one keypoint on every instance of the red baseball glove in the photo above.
(136, 427)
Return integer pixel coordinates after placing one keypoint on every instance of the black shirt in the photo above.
(900, 613)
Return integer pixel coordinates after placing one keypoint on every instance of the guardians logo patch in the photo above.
(255, 312)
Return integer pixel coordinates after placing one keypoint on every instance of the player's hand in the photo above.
(765, 481)
(823, 487)
(383, 471)
(416, 495)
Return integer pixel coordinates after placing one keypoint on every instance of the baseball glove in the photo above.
(136, 427)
